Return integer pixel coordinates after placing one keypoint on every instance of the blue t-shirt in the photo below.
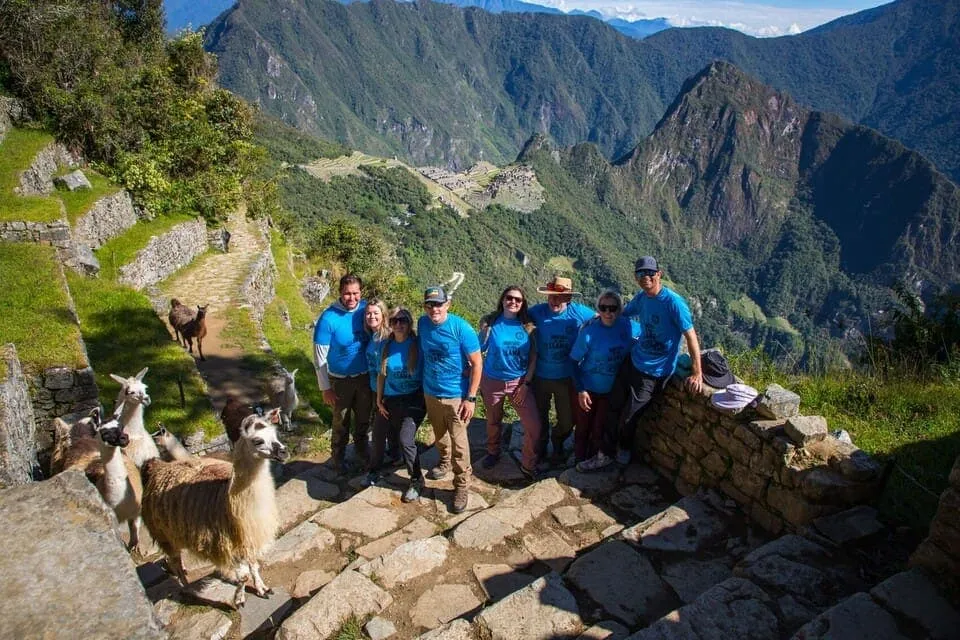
(663, 320)
(400, 380)
(444, 349)
(599, 351)
(556, 333)
(343, 332)
(373, 351)
(507, 345)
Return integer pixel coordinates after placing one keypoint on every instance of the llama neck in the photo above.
(115, 474)
(141, 447)
(131, 416)
(248, 472)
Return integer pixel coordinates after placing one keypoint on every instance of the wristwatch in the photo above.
(470, 399)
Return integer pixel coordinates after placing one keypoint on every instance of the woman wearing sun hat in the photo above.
(558, 322)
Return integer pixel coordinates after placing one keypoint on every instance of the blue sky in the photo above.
(756, 17)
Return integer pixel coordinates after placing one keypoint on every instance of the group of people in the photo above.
(598, 369)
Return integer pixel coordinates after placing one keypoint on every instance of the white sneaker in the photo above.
(595, 463)
(623, 457)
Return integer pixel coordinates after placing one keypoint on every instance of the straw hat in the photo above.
(559, 286)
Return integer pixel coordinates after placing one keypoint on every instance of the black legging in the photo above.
(406, 414)
(631, 393)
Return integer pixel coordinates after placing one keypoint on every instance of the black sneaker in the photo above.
(440, 472)
(412, 493)
(529, 474)
(489, 461)
(372, 479)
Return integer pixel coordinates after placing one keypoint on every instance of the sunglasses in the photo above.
(608, 308)
(432, 305)
(649, 273)
(516, 299)
(400, 320)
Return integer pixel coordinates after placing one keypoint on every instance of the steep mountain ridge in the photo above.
(485, 83)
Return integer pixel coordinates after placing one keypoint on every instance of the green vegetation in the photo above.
(35, 309)
(17, 151)
(123, 334)
(79, 202)
(122, 249)
(352, 629)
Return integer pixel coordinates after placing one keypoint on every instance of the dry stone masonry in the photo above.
(165, 254)
(107, 218)
(37, 180)
(939, 554)
(18, 445)
(783, 469)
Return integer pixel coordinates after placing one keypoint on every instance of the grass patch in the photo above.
(17, 151)
(352, 629)
(123, 334)
(911, 422)
(745, 308)
(80, 201)
(123, 249)
(34, 308)
(294, 347)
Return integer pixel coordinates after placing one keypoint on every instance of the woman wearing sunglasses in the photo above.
(400, 404)
(600, 349)
(375, 325)
(511, 358)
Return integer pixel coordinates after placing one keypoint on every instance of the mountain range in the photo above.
(483, 83)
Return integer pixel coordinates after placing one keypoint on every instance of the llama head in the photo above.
(258, 435)
(174, 303)
(161, 436)
(111, 431)
(289, 376)
(202, 311)
(132, 390)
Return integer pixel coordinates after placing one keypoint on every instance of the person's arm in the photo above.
(521, 392)
(577, 354)
(695, 381)
(321, 349)
(467, 407)
(381, 381)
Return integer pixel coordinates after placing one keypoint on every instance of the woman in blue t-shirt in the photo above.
(506, 335)
(375, 324)
(602, 345)
(400, 404)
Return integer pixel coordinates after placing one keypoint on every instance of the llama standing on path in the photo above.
(225, 514)
(179, 315)
(196, 328)
(131, 400)
(287, 399)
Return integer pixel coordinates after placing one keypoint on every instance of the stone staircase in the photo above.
(594, 556)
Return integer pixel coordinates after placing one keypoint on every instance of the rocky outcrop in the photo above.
(18, 445)
(165, 254)
(66, 573)
(11, 111)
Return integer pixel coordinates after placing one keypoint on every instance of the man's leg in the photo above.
(460, 445)
(436, 414)
(565, 396)
(643, 389)
(362, 408)
(339, 432)
(541, 392)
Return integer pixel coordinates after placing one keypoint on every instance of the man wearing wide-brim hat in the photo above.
(665, 318)
(558, 322)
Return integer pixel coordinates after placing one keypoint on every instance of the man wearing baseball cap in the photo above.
(449, 346)
(664, 318)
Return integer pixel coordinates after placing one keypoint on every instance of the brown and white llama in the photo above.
(223, 513)
(131, 399)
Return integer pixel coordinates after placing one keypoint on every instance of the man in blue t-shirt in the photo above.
(339, 345)
(664, 318)
(449, 346)
(558, 322)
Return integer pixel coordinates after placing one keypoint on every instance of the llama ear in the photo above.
(142, 373)
(95, 416)
(294, 373)
(121, 381)
(273, 416)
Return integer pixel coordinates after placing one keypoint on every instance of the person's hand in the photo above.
(695, 383)
(382, 409)
(330, 397)
(466, 410)
(520, 394)
(586, 402)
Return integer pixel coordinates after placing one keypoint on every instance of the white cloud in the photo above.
(754, 18)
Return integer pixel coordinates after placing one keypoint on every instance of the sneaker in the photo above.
(439, 472)
(489, 461)
(460, 496)
(529, 474)
(623, 457)
(543, 466)
(413, 491)
(595, 463)
(372, 479)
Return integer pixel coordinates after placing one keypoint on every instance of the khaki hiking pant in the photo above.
(451, 437)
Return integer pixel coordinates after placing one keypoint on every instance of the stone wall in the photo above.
(18, 445)
(11, 111)
(55, 233)
(58, 392)
(784, 470)
(258, 288)
(940, 552)
(37, 180)
(165, 254)
(108, 217)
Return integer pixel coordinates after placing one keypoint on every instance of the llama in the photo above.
(131, 399)
(287, 399)
(64, 454)
(179, 315)
(225, 514)
(196, 328)
(233, 414)
(176, 452)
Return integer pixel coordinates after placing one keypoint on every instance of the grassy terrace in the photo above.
(79, 202)
(911, 422)
(34, 308)
(17, 151)
(122, 249)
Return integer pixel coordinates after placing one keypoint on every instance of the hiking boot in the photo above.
(440, 472)
(412, 493)
(489, 461)
(623, 457)
(595, 463)
(530, 474)
(372, 479)
(460, 497)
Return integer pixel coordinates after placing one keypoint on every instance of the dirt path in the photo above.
(216, 281)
